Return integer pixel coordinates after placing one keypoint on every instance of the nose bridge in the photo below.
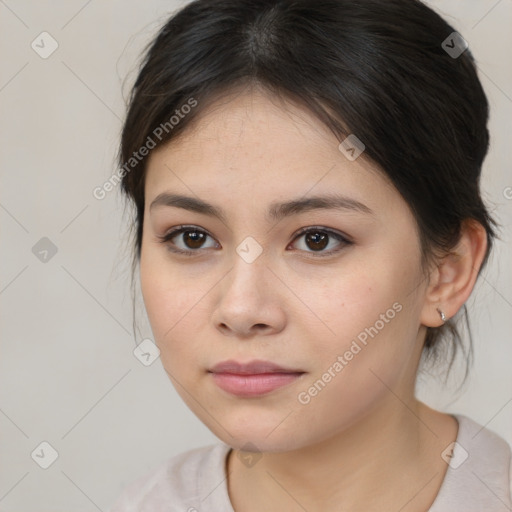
(250, 250)
(244, 297)
(249, 265)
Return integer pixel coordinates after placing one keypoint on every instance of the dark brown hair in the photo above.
(374, 68)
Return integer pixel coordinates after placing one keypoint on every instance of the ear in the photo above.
(452, 281)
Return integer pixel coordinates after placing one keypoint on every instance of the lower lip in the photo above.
(253, 385)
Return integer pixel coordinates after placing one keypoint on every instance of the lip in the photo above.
(254, 367)
(254, 378)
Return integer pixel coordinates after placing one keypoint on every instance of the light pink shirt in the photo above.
(478, 479)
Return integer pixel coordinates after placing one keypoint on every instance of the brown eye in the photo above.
(317, 239)
(193, 239)
(185, 240)
(188, 240)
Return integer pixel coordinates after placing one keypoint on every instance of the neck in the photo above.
(388, 459)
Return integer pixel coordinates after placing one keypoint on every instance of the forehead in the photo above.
(254, 147)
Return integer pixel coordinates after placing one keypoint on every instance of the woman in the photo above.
(308, 222)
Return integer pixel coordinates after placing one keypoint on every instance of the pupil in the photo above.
(196, 239)
(317, 238)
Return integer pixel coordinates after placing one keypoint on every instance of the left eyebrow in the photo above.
(276, 211)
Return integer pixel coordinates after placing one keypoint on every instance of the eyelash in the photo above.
(165, 239)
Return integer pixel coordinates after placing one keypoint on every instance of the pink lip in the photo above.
(253, 378)
(254, 367)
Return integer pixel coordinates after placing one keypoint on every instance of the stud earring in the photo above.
(441, 314)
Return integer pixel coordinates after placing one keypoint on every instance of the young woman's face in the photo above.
(346, 314)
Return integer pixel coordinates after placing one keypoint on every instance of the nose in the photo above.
(250, 301)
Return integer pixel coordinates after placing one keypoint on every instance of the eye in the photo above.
(192, 237)
(318, 238)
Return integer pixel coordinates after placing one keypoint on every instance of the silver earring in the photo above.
(441, 313)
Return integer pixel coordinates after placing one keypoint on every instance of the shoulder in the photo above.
(179, 483)
(483, 446)
(479, 473)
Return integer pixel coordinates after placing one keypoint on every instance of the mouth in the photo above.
(254, 378)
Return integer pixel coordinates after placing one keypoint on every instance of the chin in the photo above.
(258, 434)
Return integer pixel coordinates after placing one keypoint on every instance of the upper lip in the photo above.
(251, 368)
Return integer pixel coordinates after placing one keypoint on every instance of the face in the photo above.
(332, 292)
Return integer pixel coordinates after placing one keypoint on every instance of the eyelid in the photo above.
(177, 230)
(330, 231)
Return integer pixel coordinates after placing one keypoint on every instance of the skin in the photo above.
(364, 442)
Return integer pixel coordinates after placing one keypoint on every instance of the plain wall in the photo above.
(68, 375)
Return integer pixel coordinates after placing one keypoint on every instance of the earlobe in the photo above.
(455, 276)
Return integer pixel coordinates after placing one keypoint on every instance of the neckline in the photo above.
(440, 496)
(438, 500)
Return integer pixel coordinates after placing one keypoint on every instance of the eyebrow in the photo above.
(276, 211)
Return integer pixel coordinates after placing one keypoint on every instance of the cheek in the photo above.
(162, 290)
(154, 286)
(369, 320)
(349, 304)
(371, 351)
(176, 303)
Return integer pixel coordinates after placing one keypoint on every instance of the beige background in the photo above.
(67, 369)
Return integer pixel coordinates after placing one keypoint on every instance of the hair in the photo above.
(373, 68)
